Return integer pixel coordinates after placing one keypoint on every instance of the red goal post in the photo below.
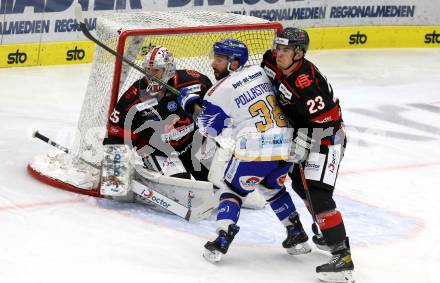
(188, 34)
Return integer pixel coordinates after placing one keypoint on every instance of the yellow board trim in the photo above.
(44, 54)
(374, 37)
(58, 53)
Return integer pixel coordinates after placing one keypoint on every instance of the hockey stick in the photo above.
(42, 137)
(315, 226)
(86, 32)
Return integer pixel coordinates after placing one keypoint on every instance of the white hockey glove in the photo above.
(300, 147)
(117, 170)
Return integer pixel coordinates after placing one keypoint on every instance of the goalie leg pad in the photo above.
(167, 165)
(189, 193)
(117, 170)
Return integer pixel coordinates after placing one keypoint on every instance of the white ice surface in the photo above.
(388, 189)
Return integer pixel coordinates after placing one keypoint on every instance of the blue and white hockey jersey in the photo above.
(241, 113)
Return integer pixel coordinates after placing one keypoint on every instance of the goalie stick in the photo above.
(190, 214)
(42, 137)
(86, 32)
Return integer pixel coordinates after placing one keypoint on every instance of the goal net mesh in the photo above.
(189, 35)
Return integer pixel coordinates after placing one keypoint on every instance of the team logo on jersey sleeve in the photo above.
(172, 106)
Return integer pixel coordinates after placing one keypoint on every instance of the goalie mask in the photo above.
(159, 58)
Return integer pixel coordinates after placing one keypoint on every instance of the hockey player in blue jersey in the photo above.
(240, 112)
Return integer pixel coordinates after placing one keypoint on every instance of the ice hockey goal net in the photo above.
(188, 34)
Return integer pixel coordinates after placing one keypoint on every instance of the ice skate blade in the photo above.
(212, 256)
(324, 248)
(337, 277)
(299, 249)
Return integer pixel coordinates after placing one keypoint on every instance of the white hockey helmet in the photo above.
(160, 57)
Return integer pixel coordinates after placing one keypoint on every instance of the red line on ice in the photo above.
(39, 204)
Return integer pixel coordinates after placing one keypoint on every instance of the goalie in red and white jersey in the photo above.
(150, 119)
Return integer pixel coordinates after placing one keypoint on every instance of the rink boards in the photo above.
(75, 52)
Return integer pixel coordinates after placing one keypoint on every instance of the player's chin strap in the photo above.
(232, 71)
(293, 61)
(230, 60)
(154, 88)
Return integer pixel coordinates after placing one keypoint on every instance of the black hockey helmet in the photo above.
(295, 37)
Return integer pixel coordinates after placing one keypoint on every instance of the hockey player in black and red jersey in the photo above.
(307, 101)
(150, 119)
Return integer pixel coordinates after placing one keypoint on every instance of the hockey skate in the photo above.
(340, 267)
(215, 249)
(320, 243)
(296, 241)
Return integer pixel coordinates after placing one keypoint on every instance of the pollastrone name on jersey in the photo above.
(253, 93)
